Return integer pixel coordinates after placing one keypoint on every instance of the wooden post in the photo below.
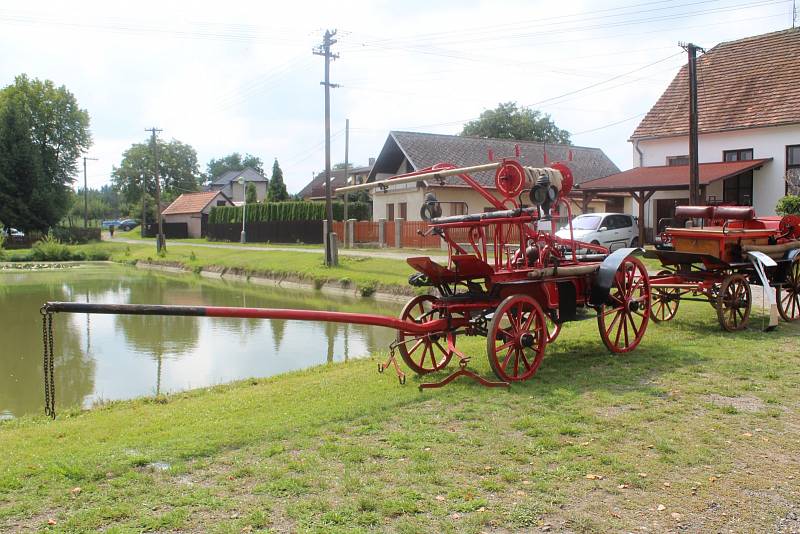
(641, 199)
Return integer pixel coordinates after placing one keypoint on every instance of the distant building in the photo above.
(405, 152)
(315, 189)
(193, 209)
(749, 131)
(228, 184)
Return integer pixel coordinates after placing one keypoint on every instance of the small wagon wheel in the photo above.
(734, 303)
(788, 294)
(553, 328)
(516, 339)
(429, 352)
(623, 320)
(664, 301)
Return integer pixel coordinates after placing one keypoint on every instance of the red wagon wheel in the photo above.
(553, 328)
(734, 303)
(622, 322)
(664, 301)
(516, 339)
(429, 352)
(788, 295)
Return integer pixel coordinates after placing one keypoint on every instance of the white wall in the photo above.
(237, 192)
(768, 182)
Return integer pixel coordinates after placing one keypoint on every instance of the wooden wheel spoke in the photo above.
(504, 365)
(527, 325)
(613, 321)
(505, 345)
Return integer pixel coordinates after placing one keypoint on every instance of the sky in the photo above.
(240, 76)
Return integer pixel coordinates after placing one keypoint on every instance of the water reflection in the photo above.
(104, 357)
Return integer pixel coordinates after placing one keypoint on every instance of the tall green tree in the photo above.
(250, 194)
(508, 121)
(178, 171)
(276, 191)
(43, 132)
(233, 162)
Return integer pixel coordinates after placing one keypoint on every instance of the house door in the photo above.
(203, 224)
(665, 211)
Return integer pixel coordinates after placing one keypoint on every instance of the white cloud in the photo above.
(240, 76)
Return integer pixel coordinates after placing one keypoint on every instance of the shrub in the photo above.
(76, 235)
(50, 249)
(367, 290)
(2, 240)
(790, 204)
(287, 211)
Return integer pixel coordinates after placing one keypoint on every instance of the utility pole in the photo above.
(694, 165)
(143, 180)
(346, 167)
(86, 194)
(325, 50)
(161, 243)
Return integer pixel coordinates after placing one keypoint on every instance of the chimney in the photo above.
(371, 162)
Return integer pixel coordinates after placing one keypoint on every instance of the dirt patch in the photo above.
(745, 403)
(615, 411)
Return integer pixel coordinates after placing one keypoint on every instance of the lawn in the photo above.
(696, 430)
(358, 271)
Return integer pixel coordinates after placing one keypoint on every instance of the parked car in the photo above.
(127, 224)
(108, 224)
(15, 235)
(612, 230)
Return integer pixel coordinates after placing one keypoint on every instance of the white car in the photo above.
(612, 230)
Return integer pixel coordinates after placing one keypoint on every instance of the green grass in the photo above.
(356, 272)
(697, 420)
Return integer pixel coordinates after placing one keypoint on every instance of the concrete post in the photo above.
(398, 232)
(382, 232)
(324, 234)
(350, 234)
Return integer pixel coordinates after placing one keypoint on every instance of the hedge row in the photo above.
(288, 211)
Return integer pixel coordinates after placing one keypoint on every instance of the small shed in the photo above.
(193, 209)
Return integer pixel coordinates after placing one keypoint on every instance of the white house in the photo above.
(405, 152)
(749, 131)
(228, 183)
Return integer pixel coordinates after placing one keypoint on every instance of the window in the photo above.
(222, 203)
(457, 208)
(739, 189)
(743, 154)
(389, 212)
(403, 213)
(792, 167)
(623, 221)
(677, 160)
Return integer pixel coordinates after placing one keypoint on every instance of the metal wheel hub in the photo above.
(526, 340)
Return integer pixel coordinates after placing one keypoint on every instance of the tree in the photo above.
(250, 195)
(507, 121)
(178, 170)
(43, 131)
(233, 162)
(277, 189)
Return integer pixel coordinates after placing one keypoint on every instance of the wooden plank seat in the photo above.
(466, 267)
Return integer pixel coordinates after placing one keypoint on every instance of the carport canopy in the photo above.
(641, 183)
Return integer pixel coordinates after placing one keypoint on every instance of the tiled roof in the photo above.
(671, 177)
(425, 149)
(316, 187)
(749, 83)
(249, 173)
(192, 202)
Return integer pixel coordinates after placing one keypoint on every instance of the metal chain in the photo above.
(48, 365)
(45, 360)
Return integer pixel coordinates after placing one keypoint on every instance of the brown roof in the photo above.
(423, 150)
(749, 83)
(670, 177)
(192, 202)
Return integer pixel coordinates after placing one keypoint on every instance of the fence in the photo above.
(171, 230)
(269, 232)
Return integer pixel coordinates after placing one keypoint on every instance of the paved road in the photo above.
(369, 253)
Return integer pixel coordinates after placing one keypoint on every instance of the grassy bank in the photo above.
(364, 273)
(696, 430)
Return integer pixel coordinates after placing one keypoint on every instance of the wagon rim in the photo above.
(623, 320)
(516, 339)
(788, 294)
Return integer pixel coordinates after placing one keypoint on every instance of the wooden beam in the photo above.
(641, 199)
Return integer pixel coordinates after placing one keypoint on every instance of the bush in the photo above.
(288, 211)
(790, 204)
(2, 240)
(50, 249)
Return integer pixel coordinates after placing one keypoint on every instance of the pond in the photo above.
(107, 357)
